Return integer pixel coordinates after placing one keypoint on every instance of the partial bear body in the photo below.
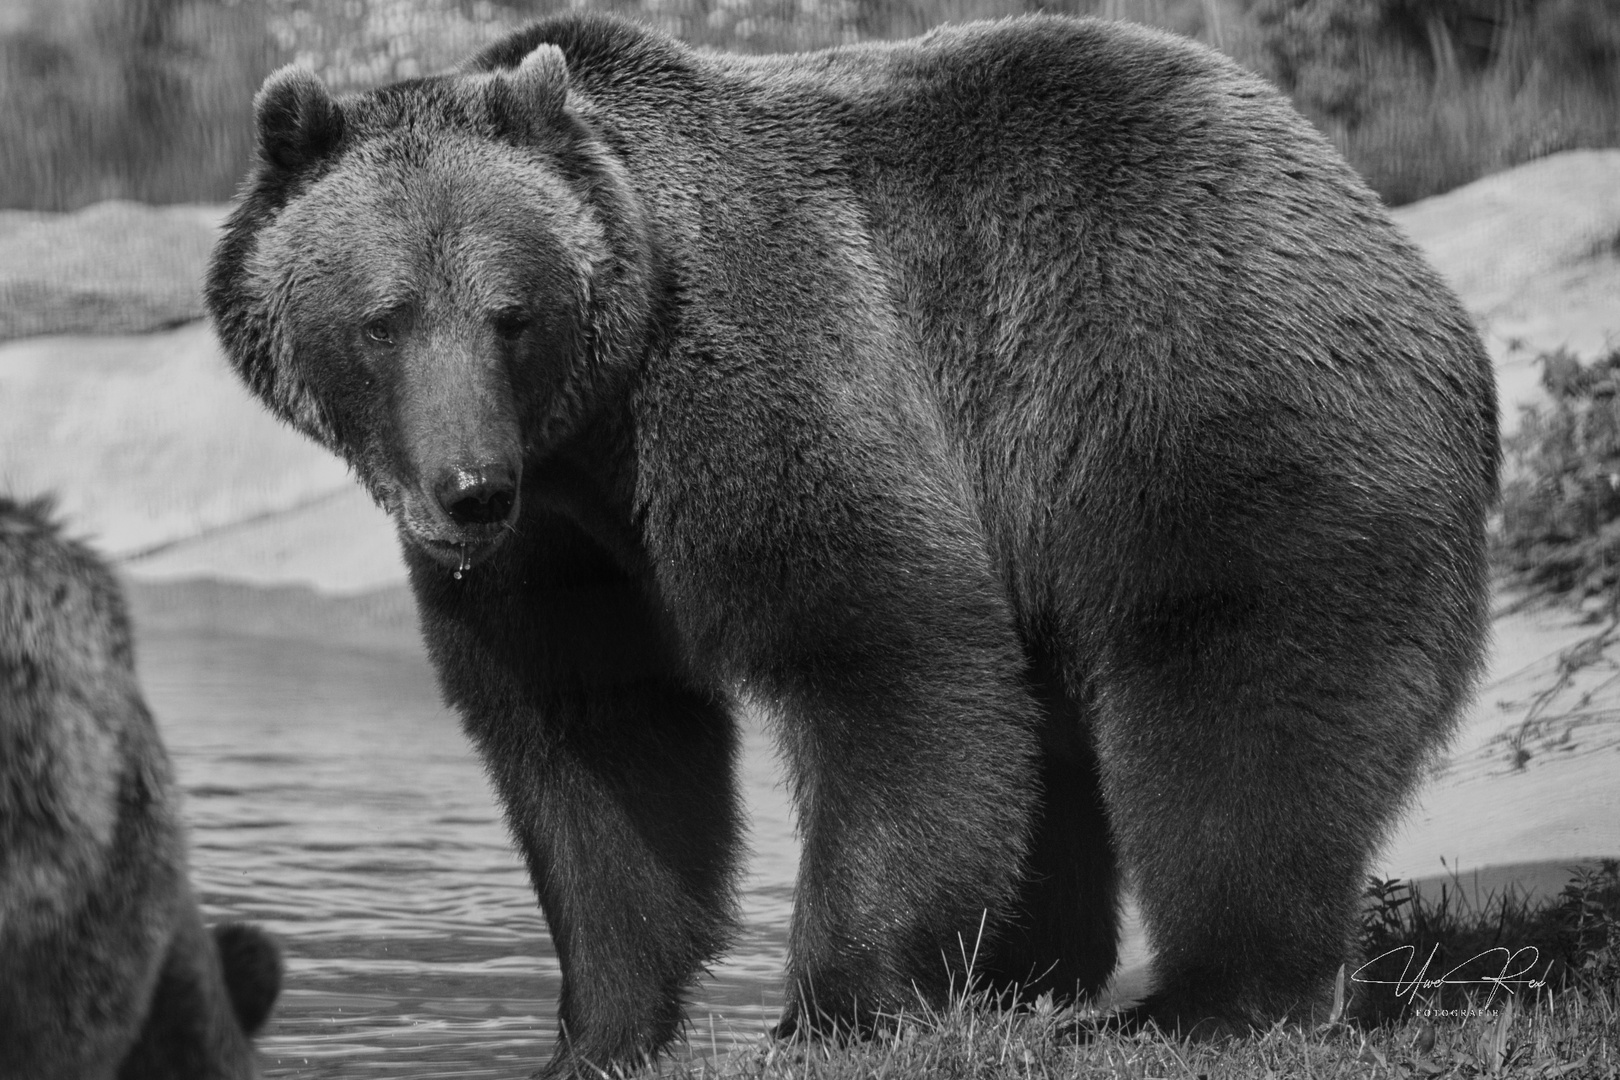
(106, 969)
(1037, 416)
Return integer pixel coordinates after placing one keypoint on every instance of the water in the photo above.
(335, 802)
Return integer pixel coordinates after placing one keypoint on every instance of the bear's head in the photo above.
(439, 280)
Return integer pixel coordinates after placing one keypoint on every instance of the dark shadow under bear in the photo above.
(106, 969)
(1038, 418)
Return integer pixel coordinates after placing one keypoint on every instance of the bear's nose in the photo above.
(483, 495)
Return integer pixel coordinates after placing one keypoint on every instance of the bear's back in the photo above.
(1106, 248)
(1172, 309)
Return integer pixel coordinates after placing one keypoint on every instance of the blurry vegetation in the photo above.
(1560, 530)
(135, 99)
(1424, 95)
(150, 99)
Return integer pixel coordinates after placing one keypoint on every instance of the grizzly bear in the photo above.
(1037, 419)
(106, 969)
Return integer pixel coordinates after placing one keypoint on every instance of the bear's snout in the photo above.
(477, 495)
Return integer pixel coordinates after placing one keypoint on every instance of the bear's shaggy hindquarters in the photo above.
(106, 969)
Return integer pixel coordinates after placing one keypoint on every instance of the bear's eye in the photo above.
(379, 331)
(510, 324)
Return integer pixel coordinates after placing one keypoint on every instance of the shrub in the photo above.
(1560, 530)
(1424, 95)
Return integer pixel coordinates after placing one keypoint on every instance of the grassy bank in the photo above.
(1569, 1026)
(1571, 1037)
(150, 99)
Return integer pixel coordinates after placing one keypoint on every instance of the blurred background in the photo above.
(331, 797)
(143, 99)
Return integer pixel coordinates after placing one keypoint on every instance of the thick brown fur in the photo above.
(1037, 417)
(106, 969)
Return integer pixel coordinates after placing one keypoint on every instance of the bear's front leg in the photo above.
(878, 634)
(629, 825)
(616, 776)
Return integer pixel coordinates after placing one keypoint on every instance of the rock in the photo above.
(1534, 252)
(115, 267)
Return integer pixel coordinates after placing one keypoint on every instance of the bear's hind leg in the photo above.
(1252, 762)
(1062, 937)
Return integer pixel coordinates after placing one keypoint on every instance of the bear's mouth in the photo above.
(431, 525)
(459, 548)
(460, 554)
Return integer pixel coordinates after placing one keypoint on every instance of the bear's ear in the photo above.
(298, 120)
(525, 100)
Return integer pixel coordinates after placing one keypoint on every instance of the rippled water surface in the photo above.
(334, 801)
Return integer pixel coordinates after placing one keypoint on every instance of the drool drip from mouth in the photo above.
(466, 563)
